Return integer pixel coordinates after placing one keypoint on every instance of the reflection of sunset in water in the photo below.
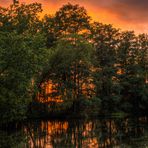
(101, 133)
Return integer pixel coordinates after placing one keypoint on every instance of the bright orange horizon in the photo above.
(124, 14)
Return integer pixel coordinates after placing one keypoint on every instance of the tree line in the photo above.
(93, 68)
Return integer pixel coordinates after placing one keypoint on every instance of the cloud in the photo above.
(126, 14)
(5, 2)
(127, 10)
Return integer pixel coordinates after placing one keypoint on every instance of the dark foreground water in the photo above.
(100, 133)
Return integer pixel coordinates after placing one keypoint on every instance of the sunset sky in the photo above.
(125, 14)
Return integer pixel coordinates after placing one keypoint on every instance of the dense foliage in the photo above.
(91, 68)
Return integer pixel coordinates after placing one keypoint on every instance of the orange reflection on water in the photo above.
(104, 133)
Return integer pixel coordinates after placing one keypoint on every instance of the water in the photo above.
(100, 133)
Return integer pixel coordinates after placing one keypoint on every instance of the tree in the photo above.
(20, 18)
(70, 69)
(132, 64)
(48, 27)
(105, 39)
(143, 70)
(21, 61)
(15, 2)
(71, 19)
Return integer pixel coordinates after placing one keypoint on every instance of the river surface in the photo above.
(98, 133)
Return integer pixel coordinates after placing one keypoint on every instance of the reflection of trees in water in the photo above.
(11, 137)
(79, 133)
(103, 133)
